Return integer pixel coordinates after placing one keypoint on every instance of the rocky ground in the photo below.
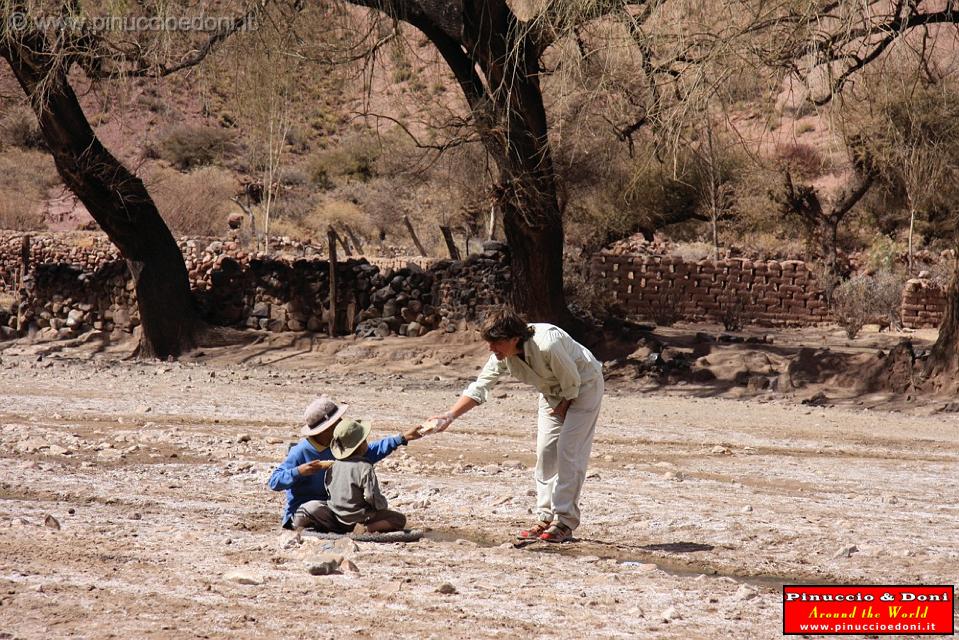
(133, 503)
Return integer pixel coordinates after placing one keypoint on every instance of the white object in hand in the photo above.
(429, 426)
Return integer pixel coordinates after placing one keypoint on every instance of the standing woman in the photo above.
(570, 381)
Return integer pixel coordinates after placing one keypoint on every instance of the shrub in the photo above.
(803, 160)
(18, 213)
(25, 177)
(851, 304)
(196, 203)
(883, 254)
(863, 299)
(353, 159)
(19, 128)
(190, 146)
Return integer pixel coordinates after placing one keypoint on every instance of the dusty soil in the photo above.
(696, 510)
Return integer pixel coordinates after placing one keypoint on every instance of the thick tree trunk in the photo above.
(116, 199)
(944, 356)
(496, 62)
(534, 260)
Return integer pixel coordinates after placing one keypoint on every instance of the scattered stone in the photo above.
(818, 400)
(890, 499)
(846, 552)
(136, 516)
(57, 450)
(349, 566)
(51, 522)
(446, 588)
(274, 440)
(324, 565)
(243, 577)
(144, 409)
(747, 509)
(513, 464)
(676, 476)
(720, 450)
(744, 593)
(670, 614)
(243, 437)
(607, 458)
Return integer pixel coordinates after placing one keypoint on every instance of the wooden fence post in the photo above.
(331, 238)
(21, 278)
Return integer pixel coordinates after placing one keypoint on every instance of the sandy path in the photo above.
(695, 508)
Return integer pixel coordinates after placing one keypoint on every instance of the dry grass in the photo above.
(195, 203)
(25, 177)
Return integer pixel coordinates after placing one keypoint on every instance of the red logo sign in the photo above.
(869, 609)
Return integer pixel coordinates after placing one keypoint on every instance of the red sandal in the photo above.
(557, 532)
(533, 532)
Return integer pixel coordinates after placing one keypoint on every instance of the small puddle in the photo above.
(628, 555)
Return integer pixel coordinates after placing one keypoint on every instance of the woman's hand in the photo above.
(442, 421)
(561, 409)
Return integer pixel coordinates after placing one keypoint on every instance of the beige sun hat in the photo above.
(347, 437)
(322, 414)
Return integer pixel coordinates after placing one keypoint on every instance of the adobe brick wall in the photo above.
(923, 304)
(763, 292)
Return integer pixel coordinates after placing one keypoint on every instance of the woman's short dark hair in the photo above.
(504, 324)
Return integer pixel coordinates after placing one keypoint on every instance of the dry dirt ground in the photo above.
(696, 509)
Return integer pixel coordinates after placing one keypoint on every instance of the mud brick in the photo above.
(699, 292)
(934, 307)
(915, 308)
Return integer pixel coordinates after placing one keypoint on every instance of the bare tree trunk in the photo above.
(416, 240)
(450, 245)
(343, 243)
(912, 226)
(116, 199)
(714, 219)
(354, 239)
(492, 223)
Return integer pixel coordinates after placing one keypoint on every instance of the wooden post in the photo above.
(450, 245)
(492, 222)
(21, 278)
(416, 240)
(356, 241)
(331, 238)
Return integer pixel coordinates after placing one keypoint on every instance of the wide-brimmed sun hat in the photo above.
(347, 437)
(321, 415)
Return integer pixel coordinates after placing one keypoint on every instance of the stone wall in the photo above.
(78, 281)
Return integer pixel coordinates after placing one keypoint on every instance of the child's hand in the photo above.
(311, 468)
(413, 434)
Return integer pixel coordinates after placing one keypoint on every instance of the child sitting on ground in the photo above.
(355, 501)
(303, 474)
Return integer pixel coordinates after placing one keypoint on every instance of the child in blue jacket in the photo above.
(303, 474)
